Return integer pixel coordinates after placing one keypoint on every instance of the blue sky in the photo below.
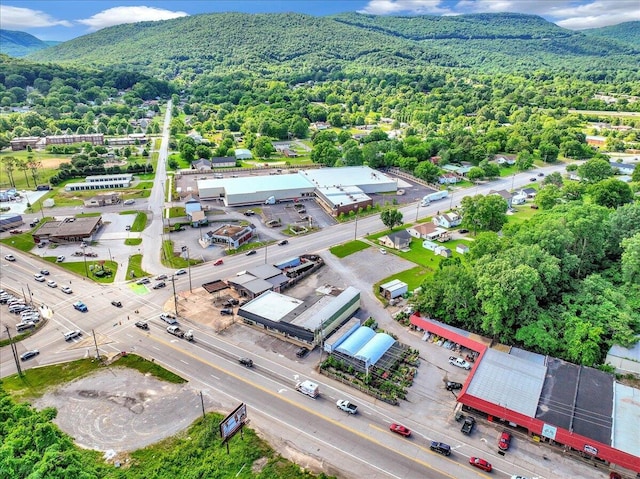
(63, 20)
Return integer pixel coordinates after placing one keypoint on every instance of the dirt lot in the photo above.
(122, 409)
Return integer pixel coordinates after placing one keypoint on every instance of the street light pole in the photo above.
(189, 268)
(86, 271)
(417, 211)
(175, 298)
(265, 253)
(355, 231)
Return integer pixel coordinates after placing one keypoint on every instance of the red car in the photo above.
(480, 464)
(218, 262)
(504, 441)
(400, 429)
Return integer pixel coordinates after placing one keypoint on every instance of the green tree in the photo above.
(263, 147)
(484, 213)
(595, 170)
(631, 259)
(391, 218)
(548, 197)
(573, 190)
(427, 171)
(635, 176)
(554, 178)
(9, 163)
(623, 223)
(524, 161)
(325, 153)
(610, 193)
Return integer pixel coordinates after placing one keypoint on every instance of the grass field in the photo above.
(177, 211)
(346, 249)
(140, 223)
(23, 241)
(135, 267)
(133, 241)
(86, 269)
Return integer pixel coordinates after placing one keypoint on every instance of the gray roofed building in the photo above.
(512, 382)
(264, 271)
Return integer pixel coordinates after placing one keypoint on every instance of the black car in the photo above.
(540, 174)
(302, 352)
(463, 230)
(246, 362)
(117, 304)
(227, 311)
(283, 242)
(159, 285)
(533, 178)
(452, 386)
(142, 325)
(250, 252)
(440, 448)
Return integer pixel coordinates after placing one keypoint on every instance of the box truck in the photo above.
(309, 388)
(438, 195)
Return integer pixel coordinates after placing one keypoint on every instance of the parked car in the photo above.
(533, 178)
(44, 272)
(226, 311)
(249, 213)
(66, 290)
(9, 257)
(400, 429)
(60, 259)
(39, 278)
(180, 272)
(440, 448)
(250, 252)
(480, 464)
(218, 262)
(302, 352)
(160, 284)
(452, 386)
(52, 284)
(463, 231)
(168, 318)
(459, 362)
(80, 306)
(142, 325)
(117, 304)
(383, 251)
(29, 354)
(283, 242)
(505, 441)
(129, 202)
(540, 174)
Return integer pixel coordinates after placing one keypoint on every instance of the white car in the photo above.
(39, 278)
(9, 257)
(129, 202)
(383, 251)
(60, 259)
(52, 284)
(66, 290)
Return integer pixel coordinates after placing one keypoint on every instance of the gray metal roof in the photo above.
(264, 271)
(626, 419)
(528, 355)
(508, 381)
(271, 305)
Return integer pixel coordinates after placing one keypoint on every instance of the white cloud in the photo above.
(390, 7)
(119, 15)
(12, 18)
(571, 14)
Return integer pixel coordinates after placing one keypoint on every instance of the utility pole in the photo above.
(95, 342)
(355, 231)
(175, 298)
(14, 350)
(30, 295)
(265, 253)
(417, 211)
(186, 248)
(86, 271)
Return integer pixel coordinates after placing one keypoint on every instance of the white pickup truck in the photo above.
(459, 362)
(347, 406)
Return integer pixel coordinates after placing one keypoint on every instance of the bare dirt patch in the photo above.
(53, 162)
(121, 409)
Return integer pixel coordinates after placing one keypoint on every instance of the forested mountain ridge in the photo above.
(277, 43)
(628, 32)
(20, 44)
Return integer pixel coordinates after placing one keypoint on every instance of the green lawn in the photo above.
(177, 212)
(23, 241)
(139, 223)
(134, 361)
(133, 241)
(346, 249)
(86, 269)
(172, 261)
(134, 268)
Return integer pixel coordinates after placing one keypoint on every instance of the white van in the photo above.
(72, 334)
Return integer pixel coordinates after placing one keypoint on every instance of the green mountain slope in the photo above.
(20, 44)
(628, 32)
(299, 44)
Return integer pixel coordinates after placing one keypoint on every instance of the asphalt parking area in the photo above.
(120, 409)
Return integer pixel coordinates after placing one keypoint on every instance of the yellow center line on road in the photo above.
(301, 406)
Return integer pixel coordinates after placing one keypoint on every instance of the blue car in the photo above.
(80, 306)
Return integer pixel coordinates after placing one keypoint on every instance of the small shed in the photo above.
(393, 289)
(442, 251)
(462, 248)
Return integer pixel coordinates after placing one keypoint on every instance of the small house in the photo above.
(447, 220)
(102, 200)
(519, 199)
(528, 192)
(505, 195)
(398, 240)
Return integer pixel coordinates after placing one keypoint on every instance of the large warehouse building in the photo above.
(583, 410)
(301, 321)
(338, 189)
